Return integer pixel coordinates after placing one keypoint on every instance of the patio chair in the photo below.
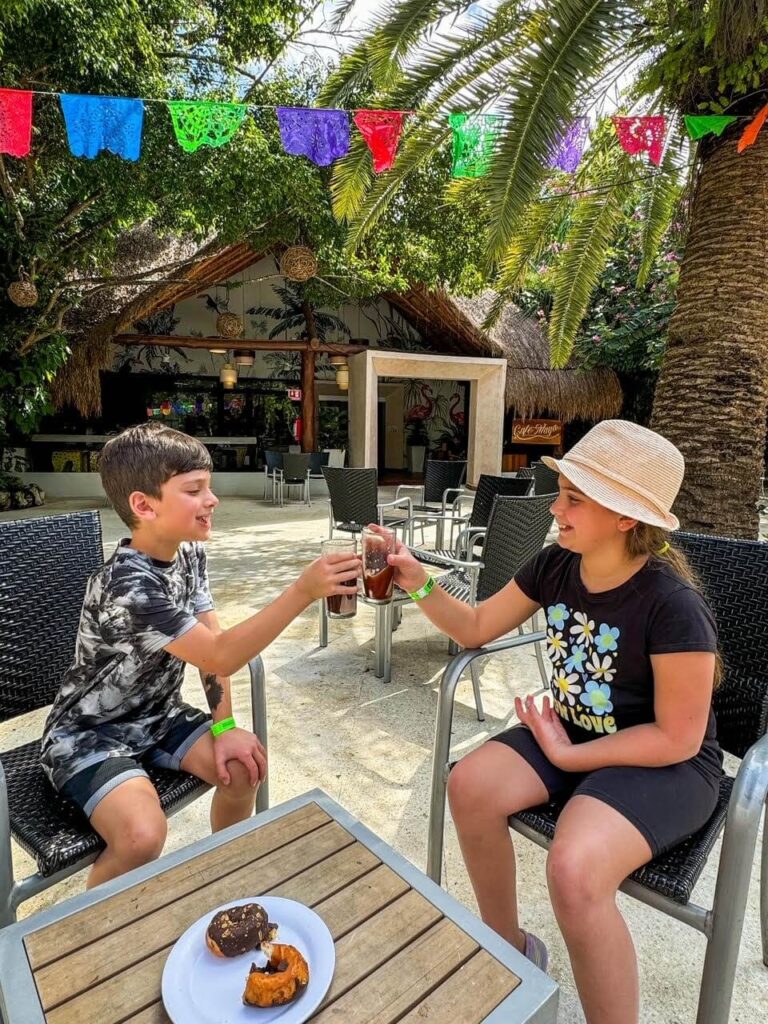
(295, 473)
(354, 501)
(733, 574)
(443, 480)
(517, 529)
(336, 457)
(316, 462)
(488, 487)
(526, 473)
(544, 479)
(273, 463)
(45, 567)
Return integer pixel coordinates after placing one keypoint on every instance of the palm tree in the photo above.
(539, 64)
(292, 315)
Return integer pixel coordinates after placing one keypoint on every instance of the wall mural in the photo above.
(434, 416)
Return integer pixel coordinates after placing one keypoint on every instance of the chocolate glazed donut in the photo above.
(238, 930)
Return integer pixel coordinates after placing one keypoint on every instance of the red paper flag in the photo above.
(750, 133)
(642, 135)
(381, 130)
(15, 121)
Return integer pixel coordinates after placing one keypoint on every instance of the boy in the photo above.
(146, 612)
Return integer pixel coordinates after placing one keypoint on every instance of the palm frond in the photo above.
(401, 25)
(661, 195)
(570, 43)
(351, 180)
(421, 145)
(595, 220)
(541, 226)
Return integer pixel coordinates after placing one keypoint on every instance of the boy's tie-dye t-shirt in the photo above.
(121, 694)
(600, 645)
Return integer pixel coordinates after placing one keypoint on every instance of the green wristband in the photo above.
(223, 726)
(422, 592)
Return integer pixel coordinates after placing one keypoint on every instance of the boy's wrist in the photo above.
(224, 725)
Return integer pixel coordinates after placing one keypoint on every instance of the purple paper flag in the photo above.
(568, 148)
(320, 135)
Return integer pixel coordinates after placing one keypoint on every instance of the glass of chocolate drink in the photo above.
(378, 574)
(341, 606)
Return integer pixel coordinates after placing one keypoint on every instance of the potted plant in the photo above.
(417, 440)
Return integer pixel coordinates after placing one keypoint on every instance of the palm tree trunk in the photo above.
(712, 393)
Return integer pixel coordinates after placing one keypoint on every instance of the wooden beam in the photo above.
(308, 400)
(236, 345)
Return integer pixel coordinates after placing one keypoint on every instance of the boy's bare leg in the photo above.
(484, 788)
(131, 822)
(230, 803)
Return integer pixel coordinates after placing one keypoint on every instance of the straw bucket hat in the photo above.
(626, 468)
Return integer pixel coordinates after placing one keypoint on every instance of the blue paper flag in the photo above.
(103, 122)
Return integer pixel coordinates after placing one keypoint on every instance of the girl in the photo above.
(628, 739)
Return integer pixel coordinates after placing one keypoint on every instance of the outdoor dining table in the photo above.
(406, 951)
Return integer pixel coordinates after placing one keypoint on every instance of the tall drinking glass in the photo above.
(341, 606)
(378, 574)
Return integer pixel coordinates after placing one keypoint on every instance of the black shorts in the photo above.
(665, 804)
(92, 784)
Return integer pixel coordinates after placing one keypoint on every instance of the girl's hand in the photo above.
(327, 575)
(547, 729)
(410, 575)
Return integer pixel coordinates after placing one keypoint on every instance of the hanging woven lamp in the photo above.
(229, 325)
(22, 292)
(298, 263)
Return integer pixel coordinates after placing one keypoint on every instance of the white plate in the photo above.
(200, 988)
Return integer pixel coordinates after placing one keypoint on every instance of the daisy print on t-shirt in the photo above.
(584, 655)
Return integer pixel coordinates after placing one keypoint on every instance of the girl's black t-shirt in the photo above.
(600, 645)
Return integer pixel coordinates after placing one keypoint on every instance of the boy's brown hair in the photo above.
(145, 457)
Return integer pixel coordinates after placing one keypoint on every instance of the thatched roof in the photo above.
(452, 323)
(447, 323)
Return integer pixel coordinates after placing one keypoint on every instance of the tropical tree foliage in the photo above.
(539, 64)
(65, 220)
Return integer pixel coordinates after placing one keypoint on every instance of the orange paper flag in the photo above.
(750, 133)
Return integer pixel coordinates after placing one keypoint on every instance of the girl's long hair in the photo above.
(656, 544)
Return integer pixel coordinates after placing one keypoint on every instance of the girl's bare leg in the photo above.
(484, 788)
(594, 849)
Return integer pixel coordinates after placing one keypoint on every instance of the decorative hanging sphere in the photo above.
(299, 263)
(229, 325)
(22, 292)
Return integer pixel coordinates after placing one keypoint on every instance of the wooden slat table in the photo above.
(405, 950)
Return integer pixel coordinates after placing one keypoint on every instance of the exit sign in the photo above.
(294, 394)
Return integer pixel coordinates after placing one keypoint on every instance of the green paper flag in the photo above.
(474, 136)
(200, 123)
(700, 125)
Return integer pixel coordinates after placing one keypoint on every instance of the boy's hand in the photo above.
(327, 575)
(410, 574)
(240, 745)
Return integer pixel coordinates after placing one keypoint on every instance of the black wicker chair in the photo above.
(733, 575)
(44, 569)
(273, 466)
(488, 487)
(526, 473)
(295, 473)
(544, 479)
(354, 501)
(443, 480)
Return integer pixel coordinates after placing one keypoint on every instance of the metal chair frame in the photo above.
(292, 476)
(60, 602)
(364, 504)
(443, 484)
(722, 923)
(273, 463)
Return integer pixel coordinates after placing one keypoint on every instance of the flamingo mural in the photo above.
(457, 415)
(420, 413)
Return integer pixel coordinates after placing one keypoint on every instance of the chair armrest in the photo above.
(259, 720)
(405, 503)
(453, 563)
(460, 500)
(466, 538)
(457, 492)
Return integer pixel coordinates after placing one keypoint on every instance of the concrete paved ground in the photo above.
(334, 725)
